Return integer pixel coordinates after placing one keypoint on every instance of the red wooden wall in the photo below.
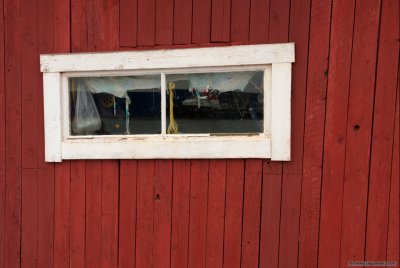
(337, 200)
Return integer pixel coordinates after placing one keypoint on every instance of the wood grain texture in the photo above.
(393, 247)
(299, 33)
(382, 133)
(240, 20)
(79, 25)
(29, 218)
(77, 214)
(45, 218)
(127, 213)
(62, 30)
(335, 132)
(128, 22)
(216, 213)
(12, 62)
(251, 213)
(146, 22)
(62, 190)
(109, 213)
(270, 220)
(201, 24)
(145, 213)
(46, 35)
(314, 132)
(183, 21)
(259, 21)
(359, 125)
(164, 22)
(233, 213)
(198, 213)
(2, 138)
(93, 213)
(220, 20)
(29, 82)
(180, 213)
(162, 213)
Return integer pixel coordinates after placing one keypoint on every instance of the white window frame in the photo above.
(275, 59)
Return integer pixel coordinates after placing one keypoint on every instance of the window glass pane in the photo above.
(115, 105)
(219, 103)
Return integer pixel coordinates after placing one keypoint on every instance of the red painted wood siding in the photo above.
(336, 201)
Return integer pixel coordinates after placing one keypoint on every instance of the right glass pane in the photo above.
(216, 103)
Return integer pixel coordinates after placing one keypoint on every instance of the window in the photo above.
(222, 102)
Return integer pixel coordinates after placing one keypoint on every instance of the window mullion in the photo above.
(163, 105)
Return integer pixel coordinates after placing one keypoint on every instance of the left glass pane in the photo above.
(115, 105)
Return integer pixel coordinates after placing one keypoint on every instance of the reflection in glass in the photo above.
(115, 105)
(218, 103)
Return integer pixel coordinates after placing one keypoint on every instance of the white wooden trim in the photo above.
(267, 99)
(280, 111)
(169, 58)
(168, 148)
(52, 116)
(274, 143)
(65, 113)
(163, 105)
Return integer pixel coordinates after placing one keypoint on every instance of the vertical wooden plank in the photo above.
(270, 221)
(29, 218)
(62, 187)
(77, 218)
(335, 132)
(128, 22)
(12, 32)
(201, 30)
(109, 214)
(127, 215)
(46, 182)
(162, 213)
(279, 12)
(79, 43)
(220, 20)
(45, 217)
(299, 34)
(314, 133)
(198, 213)
(93, 213)
(292, 171)
(180, 213)
(382, 135)
(30, 66)
(103, 25)
(233, 213)
(216, 213)
(359, 124)
(2, 138)
(392, 253)
(46, 22)
(145, 213)
(259, 21)
(251, 213)
(164, 22)
(62, 214)
(62, 30)
(183, 21)
(146, 22)
(79, 26)
(240, 21)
